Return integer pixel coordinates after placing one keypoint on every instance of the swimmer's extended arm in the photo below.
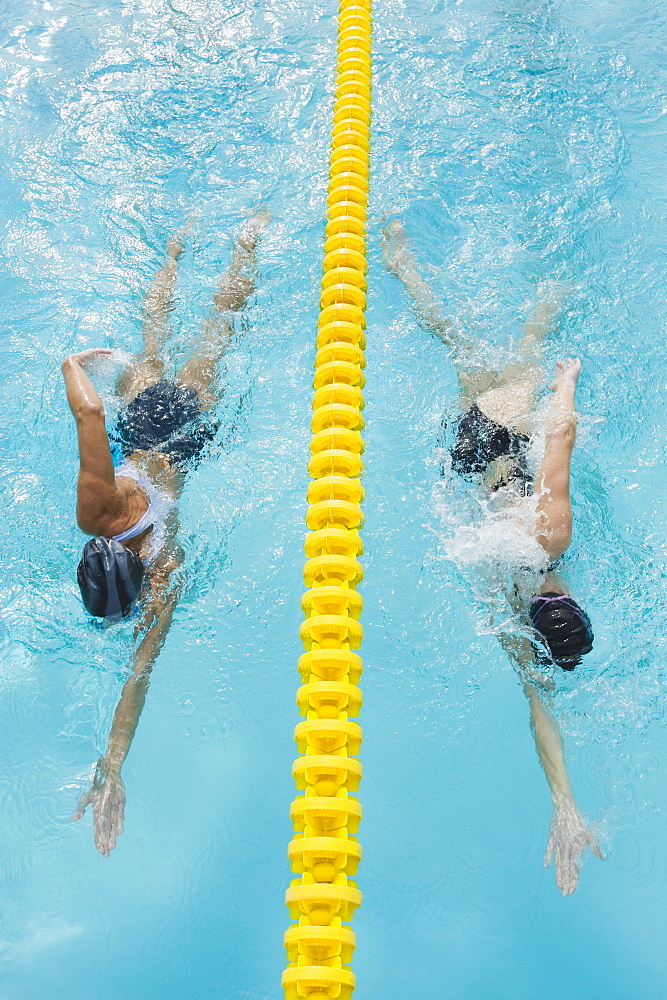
(549, 743)
(569, 835)
(156, 621)
(96, 491)
(107, 793)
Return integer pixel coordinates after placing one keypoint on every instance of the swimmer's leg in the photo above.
(543, 320)
(401, 261)
(511, 400)
(236, 286)
(552, 484)
(147, 367)
(540, 324)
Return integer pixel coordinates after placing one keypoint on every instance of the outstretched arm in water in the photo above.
(107, 792)
(569, 834)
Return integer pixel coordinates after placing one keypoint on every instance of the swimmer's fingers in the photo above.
(102, 834)
(117, 810)
(592, 841)
(567, 869)
(569, 838)
(567, 872)
(566, 863)
(395, 251)
(253, 228)
(89, 797)
(393, 227)
(551, 846)
(108, 814)
(83, 803)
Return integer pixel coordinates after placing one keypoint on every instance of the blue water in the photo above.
(519, 143)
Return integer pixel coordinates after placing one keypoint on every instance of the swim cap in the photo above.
(109, 577)
(564, 626)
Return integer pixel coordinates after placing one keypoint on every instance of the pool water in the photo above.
(519, 144)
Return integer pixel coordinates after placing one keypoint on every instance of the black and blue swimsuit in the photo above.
(480, 440)
(165, 417)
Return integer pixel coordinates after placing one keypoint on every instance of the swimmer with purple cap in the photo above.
(490, 449)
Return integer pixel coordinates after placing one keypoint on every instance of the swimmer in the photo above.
(490, 447)
(163, 429)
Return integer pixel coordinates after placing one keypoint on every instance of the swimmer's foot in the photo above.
(553, 294)
(238, 282)
(253, 229)
(176, 245)
(396, 254)
(567, 375)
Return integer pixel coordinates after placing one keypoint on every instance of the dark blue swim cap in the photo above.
(564, 626)
(109, 577)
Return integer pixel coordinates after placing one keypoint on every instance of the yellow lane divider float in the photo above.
(325, 852)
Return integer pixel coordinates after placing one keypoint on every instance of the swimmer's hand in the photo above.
(566, 374)
(568, 838)
(91, 354)
(107, 797)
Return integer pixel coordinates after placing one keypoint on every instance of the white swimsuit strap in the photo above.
(136, 529)
(128, 471)
(159, 505)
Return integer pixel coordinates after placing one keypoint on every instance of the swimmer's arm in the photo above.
(552, 484)
(427, 308)
(549, 744)
(548, 740)
(96, 485)
(133, 696)
(107, 792)
(569, 834)
(82, 396)
(156, 622)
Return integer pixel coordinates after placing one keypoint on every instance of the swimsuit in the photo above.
(480, 440)
(165, 417)
(159, 506)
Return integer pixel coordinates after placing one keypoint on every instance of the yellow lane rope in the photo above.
(325, 852)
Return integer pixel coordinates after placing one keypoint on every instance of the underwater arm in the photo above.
(569, 835)
(107, 793)
(160, 613)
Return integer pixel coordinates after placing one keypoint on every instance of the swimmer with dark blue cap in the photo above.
(490, 449)
(110, 577)
(164, 428)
